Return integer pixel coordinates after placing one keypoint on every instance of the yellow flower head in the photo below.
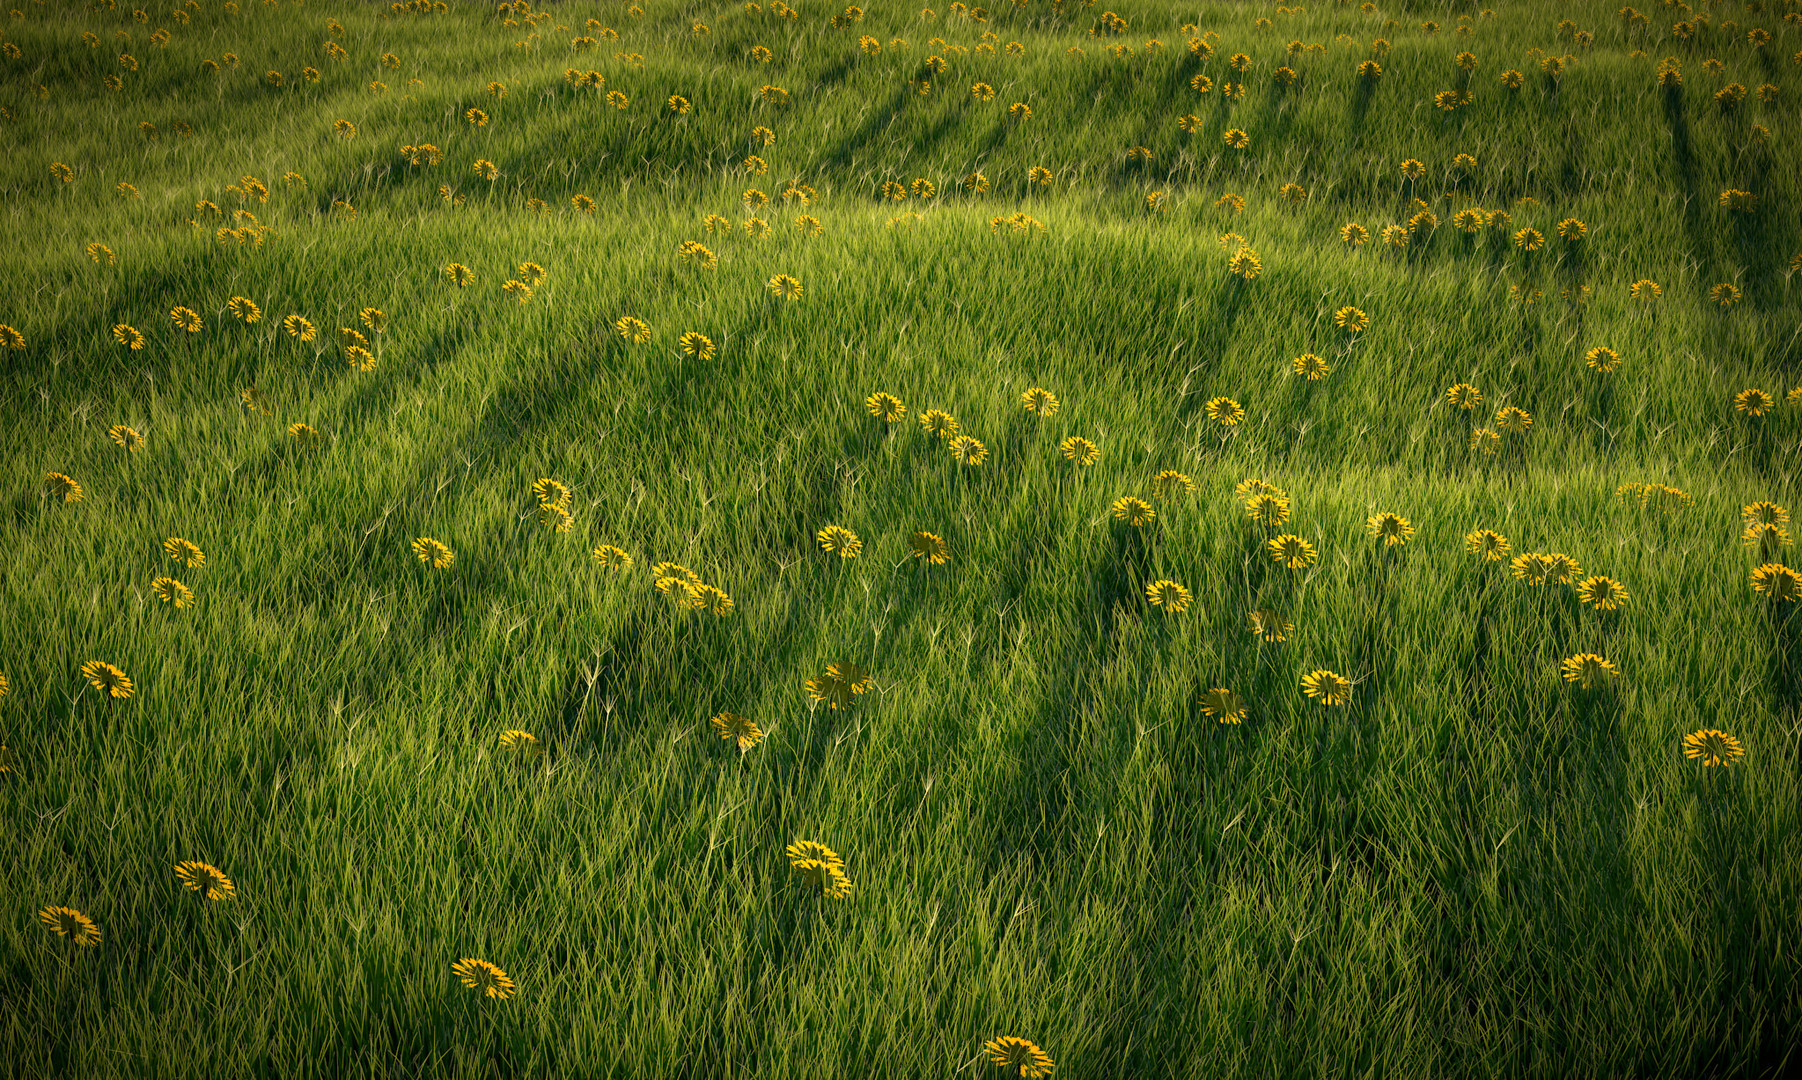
(1168, 595)
(837, 538)
(58, 485)
(612, 559)
(1311, 366)
(1225, 411)
(1079, 451)
(205, 879)
(1487, 545)
(735, 728)
(484, 978)
(1040, 401)
(1223, 704)
(1754, 402)
(1269, 626)
(1602, 359)
(1134, 511)
(1588, 670)
(1712, 747)
(938, 422)
(107, 679)
(1327, 687)
(697, 345)
(1778, 582)
(1292, 551)
(1022, 1056)
(968, 451)
(433, 553)
(72, 924)
(1391, 529)
(1604, 593)
(885, 406)
(1267, 509)
(172, 592)
(930, 547)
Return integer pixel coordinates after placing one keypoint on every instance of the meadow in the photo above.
(735, 540)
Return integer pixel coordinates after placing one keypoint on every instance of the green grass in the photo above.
(1473, 869)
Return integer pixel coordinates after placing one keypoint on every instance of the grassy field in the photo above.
(1465, 865)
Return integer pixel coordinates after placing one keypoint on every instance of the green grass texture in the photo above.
(1471, 866)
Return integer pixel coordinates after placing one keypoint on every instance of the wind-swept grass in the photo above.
(1474, 867)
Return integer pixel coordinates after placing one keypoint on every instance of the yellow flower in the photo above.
(1391, 529)
(1753, 402)
(1587, 669)
(205, 879)
(483, 977)
(1292, 551)
(1225, 411)
(1725, 294)
(72, 924)
(968, 451)
(128, 336)
(1134, 511)
(58, 485)
(612, 559)
(1236, 138)
(930, 547)
(1712, 747)
(1605, 593)
(1602, 359)
(1311, 366)
(696, 345)
(1169, 483)
(885, 406)
(1354, 233)
(1778, 581)
(1224, 704)
(733, 727)
(1513, 418)
(126, 437)
(554, 517)
(785, 286)
(1022, 1056)
(1269, 625)
(300, 327)
(1488, 545)
(840, 685)
(433, 553)
(1267, 509)
(937, 422)
(1464, 396)
(1351, 318)
(1040, 401)
(1079, 451)
(184, 552)
(633, 329)
(841, 540)
(1168, 595)
(172, 592)
(107, 679)
(1327, 687)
